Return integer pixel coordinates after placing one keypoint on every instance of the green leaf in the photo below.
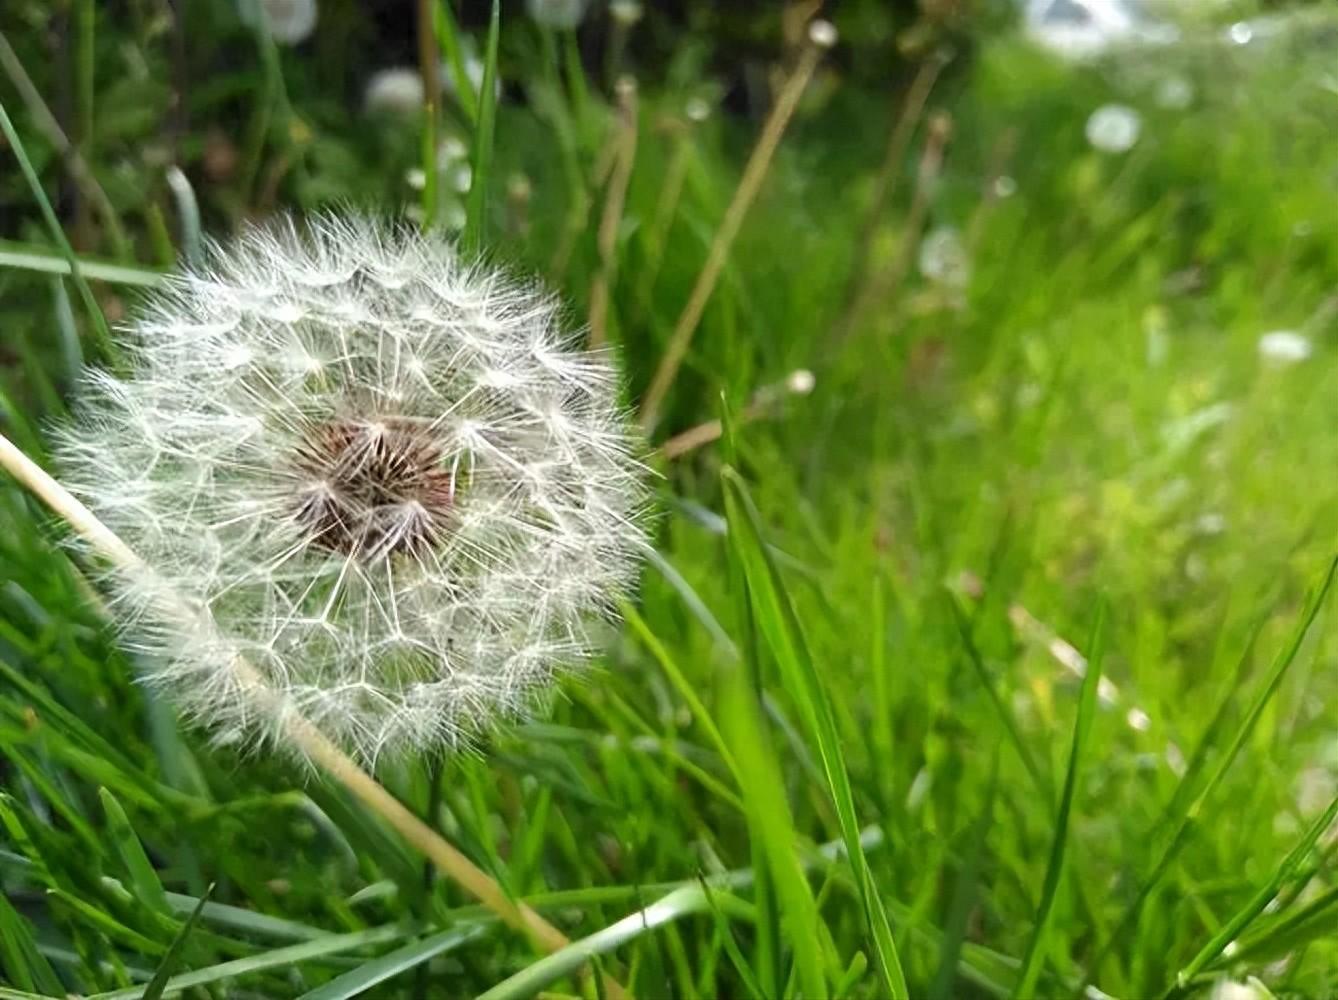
(776, 618)
(476, 214)
(1034, 961)
(156, 985)
(147, 888)
(364, 977)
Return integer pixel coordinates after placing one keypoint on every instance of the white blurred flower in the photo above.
(626, 12)
(557, 14)
(396, 91)
(289, 21)
(1113, 128)
(943, 258)
(1229, 989)
(384, 477)
(1085, 29)
(1284, 346)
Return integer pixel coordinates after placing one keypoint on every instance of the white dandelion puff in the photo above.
(397, 90)
(562, 15)
(1113, 128)
(289, 21)
(1284, 347)
(384, 478)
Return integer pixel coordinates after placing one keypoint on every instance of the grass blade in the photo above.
(773, 828)
(1034, 961)
(24, 257)
(448, 37)
(147, 888)
(156, 985)
(477, 208)
(102, 333)
(334, 944)
(364, 977)
(775, 617)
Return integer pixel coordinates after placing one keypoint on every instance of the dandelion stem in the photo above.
(612, 217)
(305, 735)
(821, 36)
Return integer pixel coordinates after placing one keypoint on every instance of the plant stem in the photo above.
(821, 36)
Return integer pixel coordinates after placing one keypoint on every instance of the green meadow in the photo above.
(986, 647)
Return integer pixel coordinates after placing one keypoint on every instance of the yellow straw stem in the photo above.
(821, 36)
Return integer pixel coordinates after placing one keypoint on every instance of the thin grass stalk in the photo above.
(821, 36)
(429, 67)
(101, 331)
(882, 286)
(884, 182)
(611, 220)
(798, 383)
(313, 743)
(666, 207)
(75, 163)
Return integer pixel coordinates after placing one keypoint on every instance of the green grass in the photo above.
(836, 746)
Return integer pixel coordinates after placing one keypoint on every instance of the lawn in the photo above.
(989, 394)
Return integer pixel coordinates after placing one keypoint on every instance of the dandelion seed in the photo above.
(394, 91)
(1284, 347)
(1113, 128)
(289, 21)
(560, 15)
(382, 476)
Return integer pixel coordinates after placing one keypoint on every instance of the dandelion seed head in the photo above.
(1114, 128)
(397, 90)
(562, 15)
(384, 477)
(289, 21)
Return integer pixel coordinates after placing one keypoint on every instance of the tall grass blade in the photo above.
(776, 619)
(476, 211)
(156, 985)
(1034, 961)
(95, 316)
(357, 981)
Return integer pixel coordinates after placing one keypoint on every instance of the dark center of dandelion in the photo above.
(373, 487)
